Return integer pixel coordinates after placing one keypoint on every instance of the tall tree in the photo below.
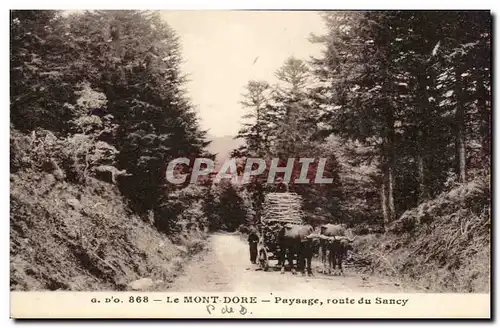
(255, 131)
(292, 113)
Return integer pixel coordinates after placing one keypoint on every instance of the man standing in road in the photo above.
(253, 239)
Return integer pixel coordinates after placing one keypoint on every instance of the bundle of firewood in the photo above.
(283, 207)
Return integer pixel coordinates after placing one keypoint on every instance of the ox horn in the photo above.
(313, 235)
(345, 238)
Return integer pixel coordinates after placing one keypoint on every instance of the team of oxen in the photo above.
(302, 242)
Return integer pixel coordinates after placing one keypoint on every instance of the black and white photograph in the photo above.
(203, 152)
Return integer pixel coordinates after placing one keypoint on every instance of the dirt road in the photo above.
(226, 267)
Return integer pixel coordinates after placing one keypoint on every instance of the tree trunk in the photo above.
(422, 188)
(460, 128)
(257, 128)
(485, 127)
(388, 172)
(388, 194)
(421, 107)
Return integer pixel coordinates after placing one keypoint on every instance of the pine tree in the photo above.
(256, 130)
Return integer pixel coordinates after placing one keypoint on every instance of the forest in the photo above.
(399, 103)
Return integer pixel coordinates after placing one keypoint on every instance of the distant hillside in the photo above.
(222, 146)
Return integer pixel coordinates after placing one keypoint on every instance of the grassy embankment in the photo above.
(70, 236)
(443, 245)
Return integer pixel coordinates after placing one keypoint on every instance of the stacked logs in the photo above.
(283, 207)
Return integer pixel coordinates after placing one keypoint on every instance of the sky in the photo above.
(223, 50)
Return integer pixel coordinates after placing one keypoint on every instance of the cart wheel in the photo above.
(263, 260)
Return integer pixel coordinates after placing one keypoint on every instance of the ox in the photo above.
(297, 240)
(334, 246)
